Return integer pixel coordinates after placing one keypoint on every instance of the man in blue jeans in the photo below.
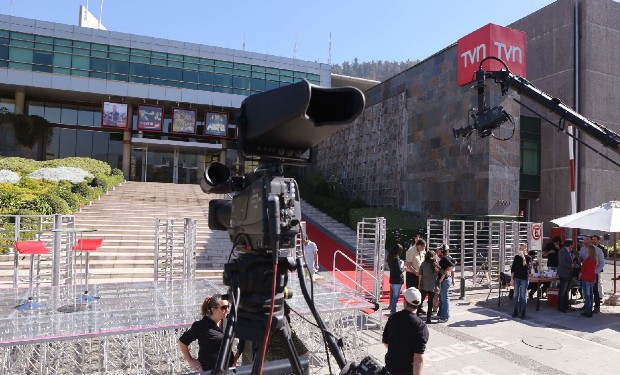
(445, 281)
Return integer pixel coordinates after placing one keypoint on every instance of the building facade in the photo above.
(401, 153)
(64, 73)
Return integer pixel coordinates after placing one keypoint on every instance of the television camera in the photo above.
(276, 127)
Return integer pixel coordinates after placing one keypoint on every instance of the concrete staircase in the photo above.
(125, 219)
(333, 228)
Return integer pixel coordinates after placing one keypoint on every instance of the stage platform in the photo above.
(134, 327)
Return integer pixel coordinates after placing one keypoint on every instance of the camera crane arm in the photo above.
(507, 80)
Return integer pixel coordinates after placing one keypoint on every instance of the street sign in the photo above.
(535, 235)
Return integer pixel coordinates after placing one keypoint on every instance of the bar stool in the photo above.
(87, 245)
(31, 248)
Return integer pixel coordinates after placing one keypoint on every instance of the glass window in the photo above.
(119, 67)
(4, 52)
(4, 63)
(80, 44)
(205, 78)
(4, 33)
(241, 92)
(206, 61)
(139, 79)
(85, 118)
(314, 77)
(22, 43)
(190, 66)
(100, 145)
(190, 76)
(80, 62)
(287, 79)
(99, 47)
(140, 59)
(191, 59)
(4, 41)
(43, 58)
(258, 84)
(67, 143)
(22, 36)
(269, 85)
(223, 70)
(117, 77)
(118, 56)
(242, 66)
(80, 51)
(115, 150)
(158, 62)
(51, 150)
(175, 74)
(299, 75)
(99, 54)
(99, 65)
(159, 82)
(102, 75)
(158, 71)
(159, 55)
(241, 82)
(84, 144)
(81, 73)
(36, 109)
(205, 68)
(259, 69)
(52, 113)
(188, 85)
(142, 70)
(63, 49)
(61, 71)
(20, 55)
(44, 47)
(242, 73)
(140, 52)
(258, 75)
(175, 64)
(223, 64)
(273, 77)
(68, 115)
(63, 42)
(288, 73)
(222, 80)
(44, 39)
(204, 87)
(42, 68)
(62, 60)
(21, 66)
(272, 71)
(172, 56)
(119, 49)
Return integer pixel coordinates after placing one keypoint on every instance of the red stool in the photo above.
(31, 248)
(87, 245)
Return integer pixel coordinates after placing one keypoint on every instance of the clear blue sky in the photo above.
(369, 30)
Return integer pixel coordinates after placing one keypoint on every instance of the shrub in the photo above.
(72, 199)
(82, 189)
(8, 176)
(102, 182)
(117, 173)
(58, 205)
(9, 201)
(75, 175)
(92, 166)
(20, 165)
(34, 206)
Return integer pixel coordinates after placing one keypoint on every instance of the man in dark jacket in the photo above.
(565, 272)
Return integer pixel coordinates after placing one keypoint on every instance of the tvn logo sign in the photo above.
(490, 40)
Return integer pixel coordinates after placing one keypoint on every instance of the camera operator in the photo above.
(405, 337)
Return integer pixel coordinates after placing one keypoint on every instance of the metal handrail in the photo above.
(358, 268)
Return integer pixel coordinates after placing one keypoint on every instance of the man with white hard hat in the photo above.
(405, 337)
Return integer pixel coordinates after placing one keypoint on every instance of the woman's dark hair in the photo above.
(430, 258)
(395, 252)
(210, 303)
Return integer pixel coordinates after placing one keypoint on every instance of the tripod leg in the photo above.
(287, 338)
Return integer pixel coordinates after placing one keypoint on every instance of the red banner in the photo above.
(490, 40)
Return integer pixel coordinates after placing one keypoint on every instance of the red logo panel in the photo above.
(490, 40)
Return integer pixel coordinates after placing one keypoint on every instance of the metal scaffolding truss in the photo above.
(175, 249)
(370, 257)
(133, 328)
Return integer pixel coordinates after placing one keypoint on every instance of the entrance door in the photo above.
(159, 165)
(189, 167)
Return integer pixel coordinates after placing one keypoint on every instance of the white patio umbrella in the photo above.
(604, 218)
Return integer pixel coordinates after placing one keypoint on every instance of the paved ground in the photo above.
(482, 338)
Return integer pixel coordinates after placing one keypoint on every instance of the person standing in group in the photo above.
(565, 272)
(396, 275)
(413, 259)
(438, 256)
(428, 282)
(405, 337)
(520, 276)
(598, 286)
(311, 255)
(208, 332)
(588, 279)
(445, 281)
(551, 251)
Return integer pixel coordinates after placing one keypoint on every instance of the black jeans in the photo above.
(597, 297)
(429, 308)
(412, 280)
(563, 303)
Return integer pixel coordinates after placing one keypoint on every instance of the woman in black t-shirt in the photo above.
(396, 275)
(520, 276)
(208, 332)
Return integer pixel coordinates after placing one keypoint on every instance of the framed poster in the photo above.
(216, 123)
(150, 118)
(183, 121)
(114, 115)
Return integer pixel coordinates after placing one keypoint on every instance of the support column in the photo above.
(223, 151)
(127, 144)
(20, 102)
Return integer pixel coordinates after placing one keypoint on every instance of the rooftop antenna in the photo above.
(295, 48)
(244, 40)
(329, 56)
(100, 13)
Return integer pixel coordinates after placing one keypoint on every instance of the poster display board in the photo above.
(183, 121)
(114, 115)
(150, 118)
(216, 123)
